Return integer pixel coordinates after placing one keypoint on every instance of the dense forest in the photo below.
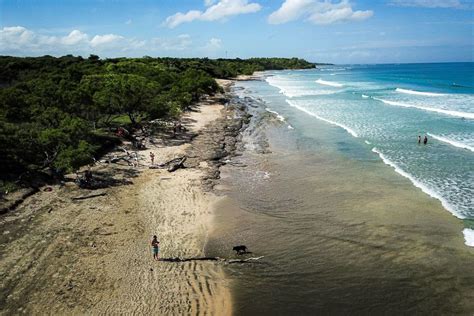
(58, 113)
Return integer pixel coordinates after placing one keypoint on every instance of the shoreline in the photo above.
(94, 254)
(351, 232)
(468, 230)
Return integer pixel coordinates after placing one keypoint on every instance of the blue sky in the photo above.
(337, 31)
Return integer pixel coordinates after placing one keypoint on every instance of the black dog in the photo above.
(240, 249)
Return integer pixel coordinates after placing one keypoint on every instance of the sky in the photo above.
(332, 31)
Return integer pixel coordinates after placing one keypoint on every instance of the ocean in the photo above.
(350, 213)
(388, 106)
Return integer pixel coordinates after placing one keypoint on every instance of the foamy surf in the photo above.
(278, 115)
(452, 142)
(291, 91)
(430, 109)
(365, 96)
(418, 184)
(302, 93)
(329, 83)
(468, 237)
(414, 92)
(349, 130)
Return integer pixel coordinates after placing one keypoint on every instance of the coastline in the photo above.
(349, 231)
(97, 255)
(93, 255)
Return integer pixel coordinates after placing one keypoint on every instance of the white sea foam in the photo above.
(365, 96)
(428, 94)
(329, 83)
(367, 142)
(469, 237)
(290, 127)
(349, 130)
(278, 115)
(452, 142)
(418, 184)
(294, 93)
(466, 115)
(289, 89)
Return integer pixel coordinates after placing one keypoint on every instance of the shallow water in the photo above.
(340, 230)
(389, 106)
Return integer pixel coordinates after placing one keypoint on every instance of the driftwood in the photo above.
(83, 197)
(176, 259)
(176, 166)
(171, 165)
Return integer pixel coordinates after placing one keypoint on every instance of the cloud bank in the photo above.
(20, 41)
(218, 11)
(317, 12)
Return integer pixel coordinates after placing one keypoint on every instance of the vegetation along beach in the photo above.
(236, 157)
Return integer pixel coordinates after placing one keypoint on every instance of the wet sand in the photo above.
(93, 256)
(339, 234)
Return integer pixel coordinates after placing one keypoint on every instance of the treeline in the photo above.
(56, 112)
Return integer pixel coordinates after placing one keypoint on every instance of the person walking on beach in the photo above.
(419, 139)
(425, 140)
(155, 245)
(152, 157)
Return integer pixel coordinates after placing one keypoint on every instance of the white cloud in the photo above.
(427, 3)
(18, 37)
(213, 44)
(317, 12)
(106, 40)
(180, 18)
(290, 10)
(180, 43)
(19, 40)
(74, 38)
(214, 12)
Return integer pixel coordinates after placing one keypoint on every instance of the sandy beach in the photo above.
(93, 255)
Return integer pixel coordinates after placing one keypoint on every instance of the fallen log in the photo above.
(83, 197)
(170, 163)
(176, 166)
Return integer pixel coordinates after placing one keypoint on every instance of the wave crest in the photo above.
(348, 129)
(329, 83)
(414, 92)
(466, 115)
(418, 184)
(451, 142)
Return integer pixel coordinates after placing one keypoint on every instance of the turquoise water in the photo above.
(385, 108)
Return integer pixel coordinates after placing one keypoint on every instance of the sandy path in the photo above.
(93, 256)
(175, 208)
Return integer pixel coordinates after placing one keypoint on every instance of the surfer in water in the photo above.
(419, 139)
(425, 140)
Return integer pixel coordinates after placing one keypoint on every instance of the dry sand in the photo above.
(93, 256)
